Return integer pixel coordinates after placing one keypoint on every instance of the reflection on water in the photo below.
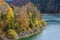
(52, 32)
(51, 17)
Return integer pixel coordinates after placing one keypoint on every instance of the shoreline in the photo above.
(27, 34)
(31, 34)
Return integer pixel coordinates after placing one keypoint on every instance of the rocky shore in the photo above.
(29, 32)
(24, 34)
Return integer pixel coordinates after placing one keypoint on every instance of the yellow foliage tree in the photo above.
(10, 14)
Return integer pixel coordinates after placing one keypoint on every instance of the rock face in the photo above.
(24, 8)
(21, 12)
(18, 20)
(3, 7)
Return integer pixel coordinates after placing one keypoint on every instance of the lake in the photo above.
(52, 32)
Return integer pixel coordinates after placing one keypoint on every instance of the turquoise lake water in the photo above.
(52, 32)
